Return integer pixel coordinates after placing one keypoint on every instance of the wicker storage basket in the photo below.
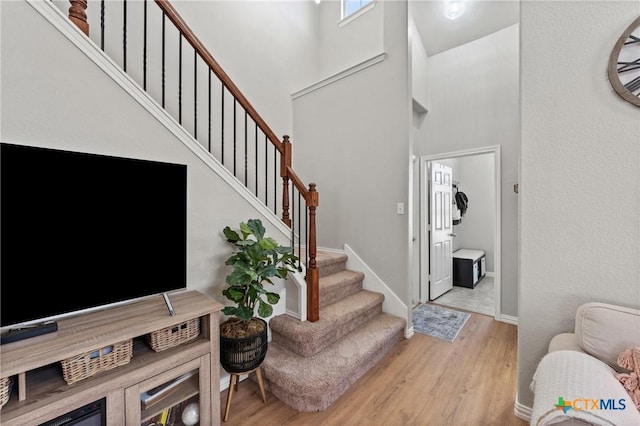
(175, 335)
(89, 363)
(5, 390)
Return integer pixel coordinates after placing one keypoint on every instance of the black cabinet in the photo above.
(468, 267)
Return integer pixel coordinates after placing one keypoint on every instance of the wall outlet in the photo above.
(400, 208)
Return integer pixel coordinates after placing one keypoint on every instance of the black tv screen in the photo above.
(79, 231)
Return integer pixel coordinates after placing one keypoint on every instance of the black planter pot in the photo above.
(238, 355)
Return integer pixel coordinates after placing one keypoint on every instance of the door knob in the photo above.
(452, 235)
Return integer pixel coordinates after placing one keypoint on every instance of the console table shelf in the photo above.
(42, 394)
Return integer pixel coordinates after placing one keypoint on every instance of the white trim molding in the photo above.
(339, 76)
(509, 319)
(522, 411)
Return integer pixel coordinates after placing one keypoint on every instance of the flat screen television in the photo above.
(83, 231)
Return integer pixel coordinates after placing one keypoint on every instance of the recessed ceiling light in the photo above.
(453, 8)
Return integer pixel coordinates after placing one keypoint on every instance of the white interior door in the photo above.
(441, 231)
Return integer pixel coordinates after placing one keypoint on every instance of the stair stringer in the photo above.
(392, 303)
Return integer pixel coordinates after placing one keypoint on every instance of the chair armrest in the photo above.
(564, 341)
(579, 379)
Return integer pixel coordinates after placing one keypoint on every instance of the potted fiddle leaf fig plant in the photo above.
(256, 261)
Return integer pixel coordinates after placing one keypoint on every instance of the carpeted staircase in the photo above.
(309, 365)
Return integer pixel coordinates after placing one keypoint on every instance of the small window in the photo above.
(349, 7)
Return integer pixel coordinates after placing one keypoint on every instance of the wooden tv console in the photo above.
(40, 392)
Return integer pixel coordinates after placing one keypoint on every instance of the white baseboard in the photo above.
(330, 250)
(522, 411)
(509, 319)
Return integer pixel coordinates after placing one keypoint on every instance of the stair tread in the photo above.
(338, 278)
(335, 285)
(331, 316)
(335, 362)
(330, 257)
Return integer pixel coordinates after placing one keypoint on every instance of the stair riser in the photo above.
(338, 292)
(332, 267)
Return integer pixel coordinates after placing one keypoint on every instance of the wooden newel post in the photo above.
(285, 163)
(313, 276)
(78, 16)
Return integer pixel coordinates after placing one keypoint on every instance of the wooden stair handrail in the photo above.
(309, 195)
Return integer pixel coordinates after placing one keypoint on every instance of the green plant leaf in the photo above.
(252, 293)
(284, 250)
(273, 298)
(283, 272)
(229, 310)
(234, 294)
(264, 309)
(245, 313)
(266, 271)
(230, 234)
(239, 277)
(268, 243)
(256, 228)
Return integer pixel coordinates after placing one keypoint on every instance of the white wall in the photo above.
(339, 45)
(476, 180)
(353, 139)
(474, 175)
(580, 173)
(473, 102)
(419, 65)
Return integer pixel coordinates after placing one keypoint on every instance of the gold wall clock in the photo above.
(624, 64)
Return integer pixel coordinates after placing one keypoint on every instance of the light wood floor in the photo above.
(423, 381)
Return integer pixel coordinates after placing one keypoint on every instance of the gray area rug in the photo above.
(438, 322)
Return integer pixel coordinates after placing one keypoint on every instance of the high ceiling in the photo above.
(480, 18)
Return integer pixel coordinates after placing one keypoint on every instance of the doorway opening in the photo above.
(475, 165)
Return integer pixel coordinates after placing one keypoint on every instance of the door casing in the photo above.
(423, 213)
